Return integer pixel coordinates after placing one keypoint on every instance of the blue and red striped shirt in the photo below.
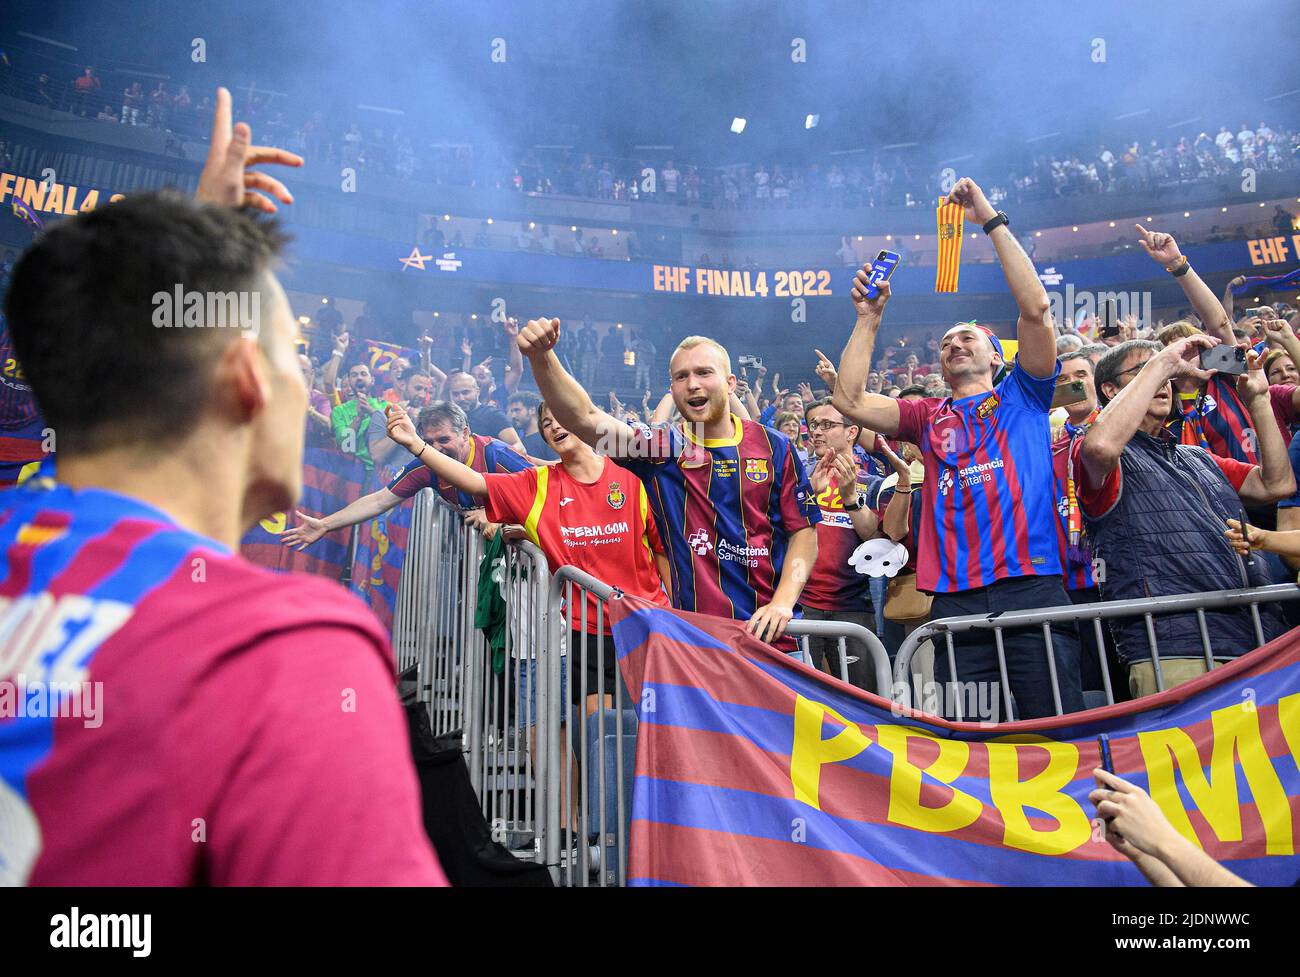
(725, 510)
(141, 699)
(1219, 421)
(988, 503)
(486, 456)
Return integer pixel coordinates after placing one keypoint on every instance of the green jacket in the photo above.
(344, 416)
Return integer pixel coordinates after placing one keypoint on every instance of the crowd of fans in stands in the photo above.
(847, 181)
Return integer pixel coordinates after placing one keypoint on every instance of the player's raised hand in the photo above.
(226, 178)
(539, 336)
(974, 204)
(1161, 246)
(402, 430)
(308, 530)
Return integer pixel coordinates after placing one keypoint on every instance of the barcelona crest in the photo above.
(616, 498)
(756, 469)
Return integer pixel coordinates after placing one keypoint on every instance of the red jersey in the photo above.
(833, 585)
(600, 527)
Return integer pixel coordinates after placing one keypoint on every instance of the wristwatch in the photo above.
(1180, 268)
(996, 221)
(858, 503)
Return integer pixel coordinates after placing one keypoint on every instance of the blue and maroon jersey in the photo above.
(987, 504)
(486, 456)
(1218, 420)
(22, 429)
(146, 711)
(725, 510)
(1076, 561)
(834, 585)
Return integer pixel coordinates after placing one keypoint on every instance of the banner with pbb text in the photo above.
(755, 769)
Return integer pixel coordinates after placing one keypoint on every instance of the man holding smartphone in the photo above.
(1155, 509)
(988, 535)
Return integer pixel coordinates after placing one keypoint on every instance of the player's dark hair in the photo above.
(81, 311)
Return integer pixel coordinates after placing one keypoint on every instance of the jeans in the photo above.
(1026, 653)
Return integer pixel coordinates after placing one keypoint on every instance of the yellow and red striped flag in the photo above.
(949, 217)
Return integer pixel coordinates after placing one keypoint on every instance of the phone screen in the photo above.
(881, 269)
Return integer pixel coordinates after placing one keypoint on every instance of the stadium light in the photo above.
(738, 125)
(1075, 227)
(889, 237)
(446, 217)
(1038, 233)
(490, 221)
(436, 314)
(304, 319)
(1112, 223)
(1187, 213)
(810, 122)
(473, 315)
(614, 231)
(1223, 210)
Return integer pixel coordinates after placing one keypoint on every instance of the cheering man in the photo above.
(730, 497)
(443, 427)
(989, 539)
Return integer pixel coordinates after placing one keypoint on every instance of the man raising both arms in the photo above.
(730, 498)
(989, 538)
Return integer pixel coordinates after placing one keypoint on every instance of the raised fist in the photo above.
(976, 206)
(538, 337)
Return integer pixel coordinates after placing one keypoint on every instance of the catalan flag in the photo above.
(949, 219)
(381, 552)
(754, 769)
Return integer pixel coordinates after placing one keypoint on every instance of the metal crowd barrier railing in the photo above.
(908, 679)
(554, 780)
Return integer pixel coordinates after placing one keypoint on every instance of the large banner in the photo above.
(754, 769)
(330, 481)
(381, 551)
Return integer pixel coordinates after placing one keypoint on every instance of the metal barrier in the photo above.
(466, 685)
(1043, 618)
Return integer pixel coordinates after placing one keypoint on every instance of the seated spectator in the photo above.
(1154, 509)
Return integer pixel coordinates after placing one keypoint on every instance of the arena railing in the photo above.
(908, 680)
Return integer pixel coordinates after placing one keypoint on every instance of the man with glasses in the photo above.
(835, 590)
(1156, 510)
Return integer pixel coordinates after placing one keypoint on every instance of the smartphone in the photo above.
(1230, 360)
(1109, 319)
(881, 269)
(1068, 393)
(1103, 744)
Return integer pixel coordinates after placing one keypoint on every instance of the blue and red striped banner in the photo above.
(381, 551)
(754, 769)
(330, 481)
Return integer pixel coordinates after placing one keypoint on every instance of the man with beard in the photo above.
(351, 419)
(989, 540)
(730, 498)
